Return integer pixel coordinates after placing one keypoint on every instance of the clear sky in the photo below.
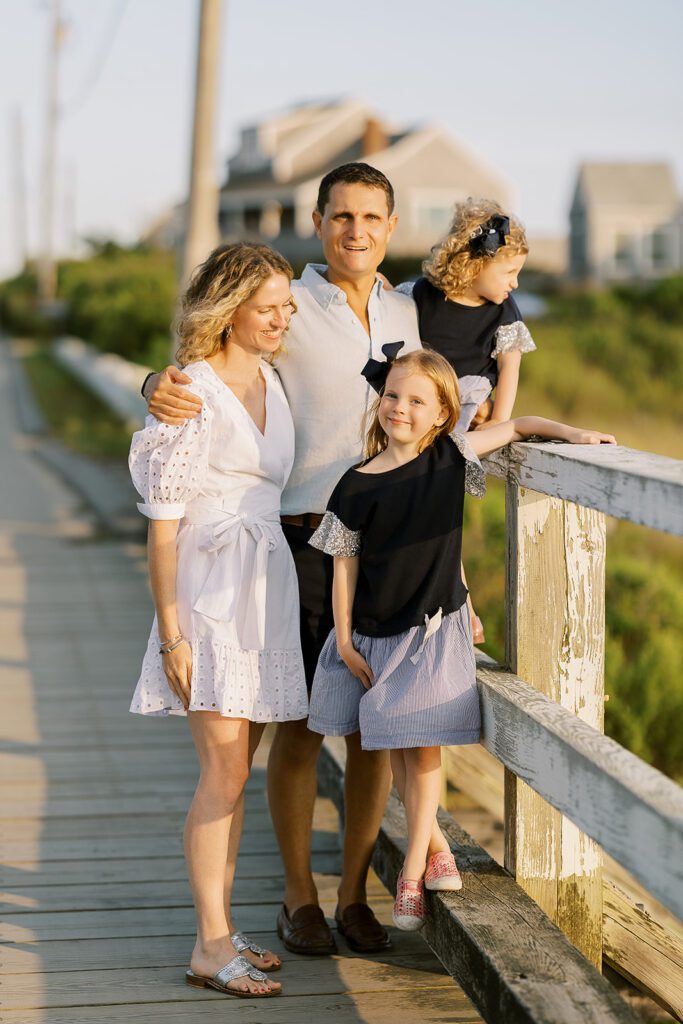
(534, 85)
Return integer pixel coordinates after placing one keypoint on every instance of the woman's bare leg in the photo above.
(222, 746)
(269, 960)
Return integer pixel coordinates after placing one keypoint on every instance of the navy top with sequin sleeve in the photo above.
(405, 525)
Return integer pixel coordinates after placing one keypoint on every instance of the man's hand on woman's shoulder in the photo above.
(168, 400)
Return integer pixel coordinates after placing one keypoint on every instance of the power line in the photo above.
(81, 97)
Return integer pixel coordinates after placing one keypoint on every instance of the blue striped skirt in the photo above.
(428, 703)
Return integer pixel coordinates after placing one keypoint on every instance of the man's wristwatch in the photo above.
(144, 384)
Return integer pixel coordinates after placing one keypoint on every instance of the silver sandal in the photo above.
(238, 967)
(241, 942)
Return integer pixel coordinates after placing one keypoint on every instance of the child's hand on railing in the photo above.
(578, 436)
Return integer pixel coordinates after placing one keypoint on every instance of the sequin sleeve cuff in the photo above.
(513, 338)
(475, 477)
(405, 288)
(334, 538)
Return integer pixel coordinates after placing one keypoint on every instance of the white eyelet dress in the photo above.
(236, 587)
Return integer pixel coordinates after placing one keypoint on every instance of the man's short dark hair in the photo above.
(354, 174)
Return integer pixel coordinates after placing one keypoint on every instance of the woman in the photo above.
(224, 648)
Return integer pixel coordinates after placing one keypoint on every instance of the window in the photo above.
(434, 219)
(661, 249)
(625, 253)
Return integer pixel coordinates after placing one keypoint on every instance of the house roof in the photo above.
(627, 183)
(301, 141)
(297, 147)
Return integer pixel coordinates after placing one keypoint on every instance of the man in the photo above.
(344, 317)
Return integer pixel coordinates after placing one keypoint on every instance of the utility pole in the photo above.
(47, 278)
(201, 223)
(19, 187)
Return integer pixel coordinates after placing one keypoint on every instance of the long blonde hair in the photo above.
(453, 266)
(442, 375)
(228, 277)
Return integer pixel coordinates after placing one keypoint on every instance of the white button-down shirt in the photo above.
(327, 347)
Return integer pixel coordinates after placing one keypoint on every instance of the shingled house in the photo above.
(273, 178)
(625, 222)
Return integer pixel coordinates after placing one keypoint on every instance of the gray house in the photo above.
(273, 178)
(625, 222)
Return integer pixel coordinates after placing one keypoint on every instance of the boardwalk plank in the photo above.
(121, 923)
(144, 869)
(443, 1005)
(168, 951)
(108, 848)
(136, 895)
(302, 977)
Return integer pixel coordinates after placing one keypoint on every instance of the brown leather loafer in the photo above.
(306, 931)
(361, 929)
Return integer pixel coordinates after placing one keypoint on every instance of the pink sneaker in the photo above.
(442, 873)
(409, 911)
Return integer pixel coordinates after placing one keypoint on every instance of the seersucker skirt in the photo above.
(432, 701)
(473, 391)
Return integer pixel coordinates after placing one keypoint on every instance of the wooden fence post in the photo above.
(555, 640)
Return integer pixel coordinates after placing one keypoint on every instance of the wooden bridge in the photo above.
(97, 917)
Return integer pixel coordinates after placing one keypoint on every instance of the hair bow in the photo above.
(376, 372)
(488, 238)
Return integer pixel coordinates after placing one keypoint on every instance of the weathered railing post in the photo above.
(555, 638)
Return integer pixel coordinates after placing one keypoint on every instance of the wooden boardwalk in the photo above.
(96, 912)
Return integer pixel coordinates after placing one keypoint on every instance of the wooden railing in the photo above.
(569, 791)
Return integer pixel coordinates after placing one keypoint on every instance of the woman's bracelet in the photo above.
(170, 645)
(171, 640)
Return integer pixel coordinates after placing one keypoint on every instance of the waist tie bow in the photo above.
(432, 626)
(235, 588)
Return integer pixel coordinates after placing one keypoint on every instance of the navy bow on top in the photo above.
(376, 372)
(489, 237)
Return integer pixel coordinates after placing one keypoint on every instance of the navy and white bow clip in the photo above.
(376, 372)
(489, 237)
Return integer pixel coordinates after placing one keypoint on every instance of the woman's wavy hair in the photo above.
(453, 266)
(228, 277)
(442, 375)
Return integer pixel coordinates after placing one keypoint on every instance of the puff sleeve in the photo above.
(336, 534)
(475, 477)
(168, 464)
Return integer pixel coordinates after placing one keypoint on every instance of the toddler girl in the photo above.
(399, 663)
(466, 310)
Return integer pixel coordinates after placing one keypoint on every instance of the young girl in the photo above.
(467, 313)
(399, 662)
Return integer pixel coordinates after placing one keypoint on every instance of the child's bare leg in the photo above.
(437, 840)
(421, 800)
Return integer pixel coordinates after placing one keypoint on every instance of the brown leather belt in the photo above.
(311, 520)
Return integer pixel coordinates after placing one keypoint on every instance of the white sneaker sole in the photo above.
(449, 883)
(408, 922)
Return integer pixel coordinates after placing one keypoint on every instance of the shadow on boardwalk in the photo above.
(96, 909)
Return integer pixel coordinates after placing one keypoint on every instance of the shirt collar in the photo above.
(323, 292)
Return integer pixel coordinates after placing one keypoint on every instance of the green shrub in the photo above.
(121, 301)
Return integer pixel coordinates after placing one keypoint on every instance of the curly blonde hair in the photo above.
(452, 266)
(442, 375)
(228, 277)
